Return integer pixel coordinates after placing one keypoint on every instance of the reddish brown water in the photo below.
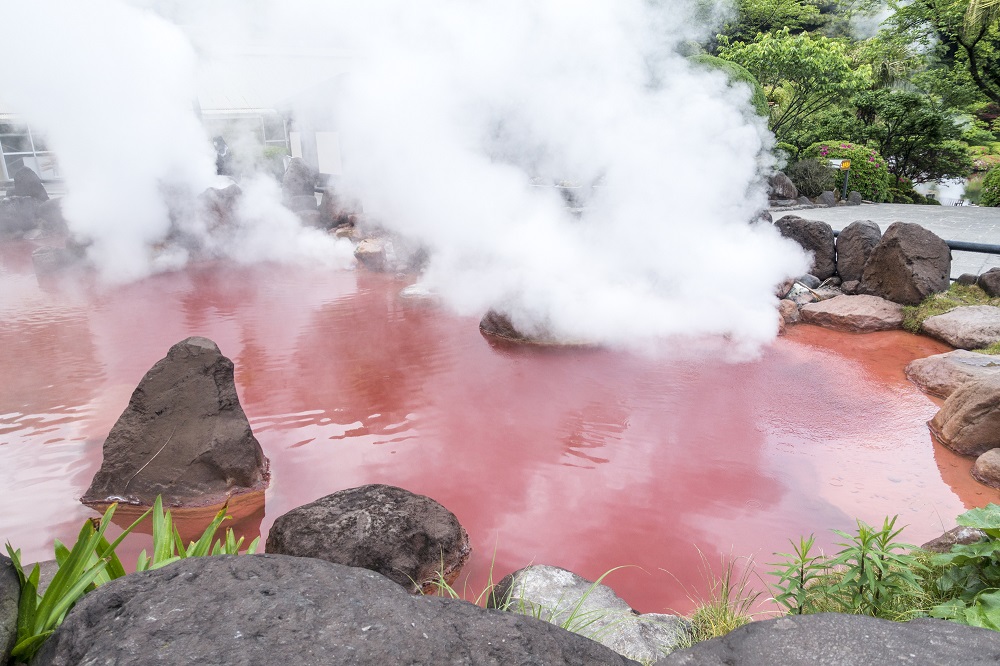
(582, 459)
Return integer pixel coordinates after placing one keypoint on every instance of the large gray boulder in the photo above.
(831, 639)
(814, 236)
(271, 609)
(828, 199)
(909, 264)
(780, 186)
(568, 600)
(183, 435)
(28, 184)
(10, 595)
(408, 538)
(859, 314)
(854, 245)
(299, 181)
(941, 374)
(987, 468)
(967, 327)
(969, 420)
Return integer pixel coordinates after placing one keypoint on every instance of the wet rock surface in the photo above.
(564, 598)
(814, 236)
(855, 244)
(272, 609)
(495, 324)
(987, 468)
(183, 435)
(406, 537)
(942, 374)
(969, 421)
(967, 327)
(10, 594)
(909, 264)
(854, 313)
(831, 639)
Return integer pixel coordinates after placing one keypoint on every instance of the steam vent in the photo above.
(183, 436)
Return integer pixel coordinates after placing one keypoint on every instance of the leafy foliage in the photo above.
(811, 177)
(990, 195)
(972, 573)
(935, 304)
(800, 74)
(796, 573)
(736, 74)
(869, 174)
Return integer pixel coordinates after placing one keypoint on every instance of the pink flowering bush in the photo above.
(869, 174)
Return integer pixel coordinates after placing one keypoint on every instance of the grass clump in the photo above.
(730, 601)
(957, 295)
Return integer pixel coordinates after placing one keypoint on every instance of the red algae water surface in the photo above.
(585, 459)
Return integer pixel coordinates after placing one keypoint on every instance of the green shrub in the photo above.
(971, 573)
(990, 195)
(736, 73)
(790, 152)
(811, 177)
(869, 174)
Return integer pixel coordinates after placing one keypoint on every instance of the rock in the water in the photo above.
(832, 639)
(956, 535)
(967, 327)
(271, 609)
(969, 421)
(854, 313)
(408, 538)
(781, 186)
(828, 199)
(987, 468)
(854, 245)
(10, 595)
(370, 253)
(28, 184)
(909, 264)
(941, 374)
(990, 282)
(967, 279)
(299, 180)
(499, 326)
(788, 310)
(183, 435)
(564, 598)
(854, 198)
(814, 236)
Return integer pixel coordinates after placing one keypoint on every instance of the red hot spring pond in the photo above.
(585, 459)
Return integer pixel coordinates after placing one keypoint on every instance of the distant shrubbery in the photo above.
(811, 177)
(869, 174)
(991, 188)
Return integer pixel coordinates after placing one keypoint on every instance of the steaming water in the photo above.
(582, 459)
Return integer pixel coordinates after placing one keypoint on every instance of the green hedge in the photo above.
(869, 174)
(991, 189)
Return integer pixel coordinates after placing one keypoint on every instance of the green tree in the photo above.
(801, 74)
(736, 74)
(761, 16)
(917, 140)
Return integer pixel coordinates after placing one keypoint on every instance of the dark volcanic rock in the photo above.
(854, 198)
(830, 639)
(967, 279)
(407, 538)
(828, 199)
(28, 184)
(854, 245)
(814, 236)
(299, 180)
(183, 435)
(968, 422)
(909, 264)
(271, 609)
(10, 595)
(990, 282)
(781, 186)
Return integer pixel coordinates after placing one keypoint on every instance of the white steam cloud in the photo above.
(455, 119)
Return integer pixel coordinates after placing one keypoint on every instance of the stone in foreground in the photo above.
(271, 609)
(855, 244)
(860, 314)
(956, 535)
(969, 421)
(942, 374)
(564, 598)
(814, 236)
(990, 282)
(909, 264)
(406, 537)
(987, 468)
(183, 436)
(10, 595)
(831, 639)
(967, 327)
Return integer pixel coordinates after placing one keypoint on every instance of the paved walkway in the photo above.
(960, 223)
